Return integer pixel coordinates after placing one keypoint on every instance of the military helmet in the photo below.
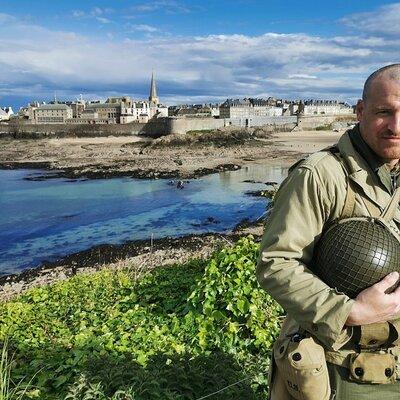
(356, 253)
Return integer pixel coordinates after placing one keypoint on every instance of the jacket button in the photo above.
(296, 357)
(359, 371)
(314, 327)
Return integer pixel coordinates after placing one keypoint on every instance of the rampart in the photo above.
(181, 125)
(165, 126)
(38, 131)
(314, 121)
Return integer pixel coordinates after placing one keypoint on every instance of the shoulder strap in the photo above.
(350, 200)
(390, 210)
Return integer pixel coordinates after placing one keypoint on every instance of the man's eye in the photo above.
(383, 112)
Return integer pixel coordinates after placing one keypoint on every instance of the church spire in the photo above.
(153, 90)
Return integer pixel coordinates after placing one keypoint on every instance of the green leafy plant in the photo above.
(232, 310)
(178, 332)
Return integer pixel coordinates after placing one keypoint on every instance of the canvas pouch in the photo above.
(373, 367)
(303, 367)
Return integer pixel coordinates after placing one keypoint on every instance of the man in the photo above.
(313, 195)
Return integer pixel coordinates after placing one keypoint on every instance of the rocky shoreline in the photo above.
(131, 254)
(174, 157)
(74, 173)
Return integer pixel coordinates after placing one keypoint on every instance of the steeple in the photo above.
(153, 90)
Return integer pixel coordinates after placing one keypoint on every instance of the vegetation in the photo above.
(8, 389)
(200, 132)
(178, 332)
(327, 127)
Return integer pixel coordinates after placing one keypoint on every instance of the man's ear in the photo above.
(359, 109)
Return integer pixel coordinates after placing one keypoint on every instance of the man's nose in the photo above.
(394, 124)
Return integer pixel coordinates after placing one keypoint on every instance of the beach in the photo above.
(174, 157)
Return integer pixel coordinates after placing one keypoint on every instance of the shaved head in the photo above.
(390, 72)
(379, 114)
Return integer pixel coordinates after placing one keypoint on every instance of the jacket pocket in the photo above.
(303, 367)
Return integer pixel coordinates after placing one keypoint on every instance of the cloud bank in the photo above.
(36, 61)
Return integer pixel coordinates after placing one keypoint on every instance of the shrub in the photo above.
(179, 332)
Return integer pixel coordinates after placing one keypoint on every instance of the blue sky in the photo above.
(201, 51)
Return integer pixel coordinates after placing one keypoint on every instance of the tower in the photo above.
(153, 90)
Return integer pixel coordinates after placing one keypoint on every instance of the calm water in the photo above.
(44, 220)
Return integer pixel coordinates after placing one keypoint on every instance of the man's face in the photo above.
(379, 117)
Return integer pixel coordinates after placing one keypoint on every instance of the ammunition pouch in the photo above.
(376, 361)
(373, 367)
(302, 364)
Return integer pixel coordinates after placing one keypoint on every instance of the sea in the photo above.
(44, 217)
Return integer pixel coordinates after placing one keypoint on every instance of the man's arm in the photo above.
(301, 208)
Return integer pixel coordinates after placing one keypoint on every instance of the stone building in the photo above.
(142, 111)
(108, 112)
(5, 113)
(194, 110)
(115, 110)
(51, 113)
(153, 98)
(321, 107)
(247, 108)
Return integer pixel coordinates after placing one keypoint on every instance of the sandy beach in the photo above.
(173, 156)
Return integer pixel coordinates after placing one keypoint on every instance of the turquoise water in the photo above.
(48, 219)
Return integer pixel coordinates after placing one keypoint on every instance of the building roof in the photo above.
(102, 105)
(53, 107)
(153, 90)
(247, 102)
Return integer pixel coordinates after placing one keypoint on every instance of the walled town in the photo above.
(247, 112)
(146, 139)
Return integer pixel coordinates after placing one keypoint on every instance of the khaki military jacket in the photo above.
(312, 196)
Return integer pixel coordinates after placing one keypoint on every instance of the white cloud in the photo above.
(103, 20)
(302, 76)
(168, 6)
(6, 18)
(96, 11)
(78, 14)
(203, 67)
(144, 28)
(385, 20)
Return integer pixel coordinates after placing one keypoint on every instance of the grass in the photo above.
(8, 389)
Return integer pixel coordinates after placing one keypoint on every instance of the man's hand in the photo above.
(374, 305)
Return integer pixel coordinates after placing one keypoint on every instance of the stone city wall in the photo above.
(312, 122)
(37, 131)
(181, 125)
(167, 125)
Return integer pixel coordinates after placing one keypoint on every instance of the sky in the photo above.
(200, 51)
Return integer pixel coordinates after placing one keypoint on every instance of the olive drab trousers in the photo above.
(342, 388)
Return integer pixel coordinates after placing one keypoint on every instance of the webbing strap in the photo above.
(390, 210)
(349, 202)
(374, 335)
(373, 210)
